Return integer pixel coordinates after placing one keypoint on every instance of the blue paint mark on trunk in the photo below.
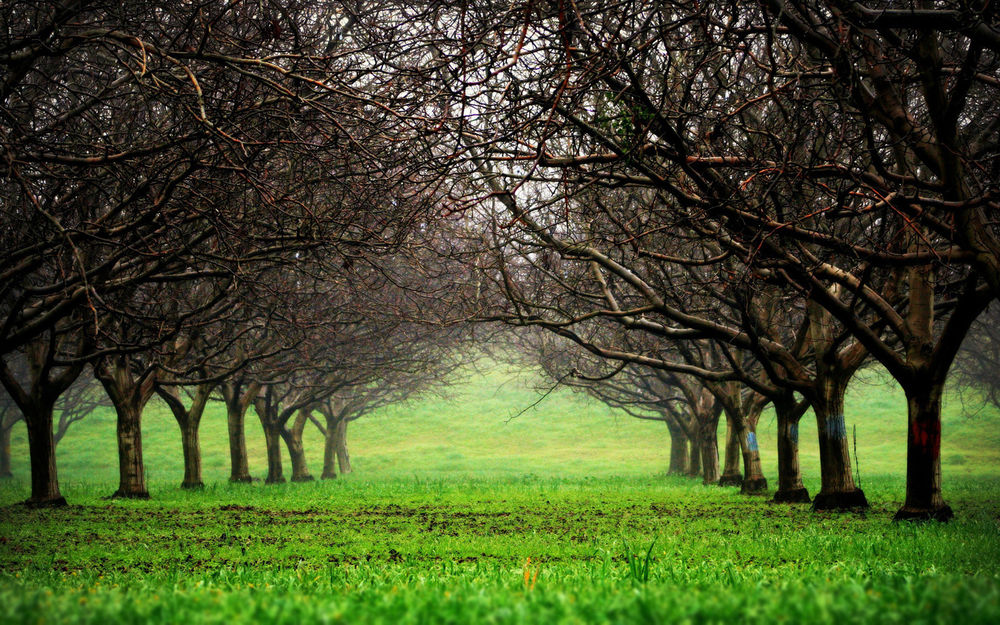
(793, 433)
(835, 427)
(752, 442)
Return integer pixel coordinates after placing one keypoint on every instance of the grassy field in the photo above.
(458, 512)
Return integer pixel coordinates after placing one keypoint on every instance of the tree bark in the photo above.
(131, 469)
(837, 491)
(754, 483)
(236, 410)
(129, 396)
(710, 452)
(192, 455)
(189, 420)
(731, 475)
(343, 457)
(238, 462)
(923, 455)
(293, 440)
(5, 464)
(42, 449)
(678, 450)
(329, 450)
(790, 487)
(694, 465)
(272, 442)
(928, 367)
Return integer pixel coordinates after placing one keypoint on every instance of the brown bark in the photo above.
(923, 456)
(5, 464)
(837, 490)
(731, 475)
(678, 450)
(710, 457)
(293, 441)
(754, 483)
(329, 450)
(192, 456)
(236, 410)
(705, 411)
(41, 447)
(343, 457)
(273, 424)
(923, 401)
(129, 396)
(790, 487)
(189, 420)
(238, 462)
(272, 443)
(694, 456)
(131, 469)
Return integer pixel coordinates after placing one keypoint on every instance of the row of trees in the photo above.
(765, 195)
(762, 198)
(337, 353)
(206, 197)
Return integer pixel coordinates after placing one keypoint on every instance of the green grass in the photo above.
(458, 514)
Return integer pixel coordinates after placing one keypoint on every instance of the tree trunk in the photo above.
(710, 453)
(731, 475)
(790, 487)
(343, 458)
(131, 470)
(239, 465)
(41, 447)
(923, 455)
(678, 450)
(272, 441)
(189, 420)
(837, 491)
(330, 450)
(192, 454)
(129, 396)
(293, 440)
(754, 483)
(5, 465)
(694, 465)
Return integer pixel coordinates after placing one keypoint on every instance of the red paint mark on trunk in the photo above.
(927, 434)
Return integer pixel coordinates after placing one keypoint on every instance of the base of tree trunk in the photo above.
(734, 479)
(792, 495)
(119, 494)
(757, 486)
(4, 476)
(942, 514)
(241, 479)
(840, 500)
(303, 478)
(328, 476)
(279, 480)
(193, 485)
(57, 502)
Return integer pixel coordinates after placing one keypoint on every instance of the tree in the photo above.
(35, 387)
(74, 404)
